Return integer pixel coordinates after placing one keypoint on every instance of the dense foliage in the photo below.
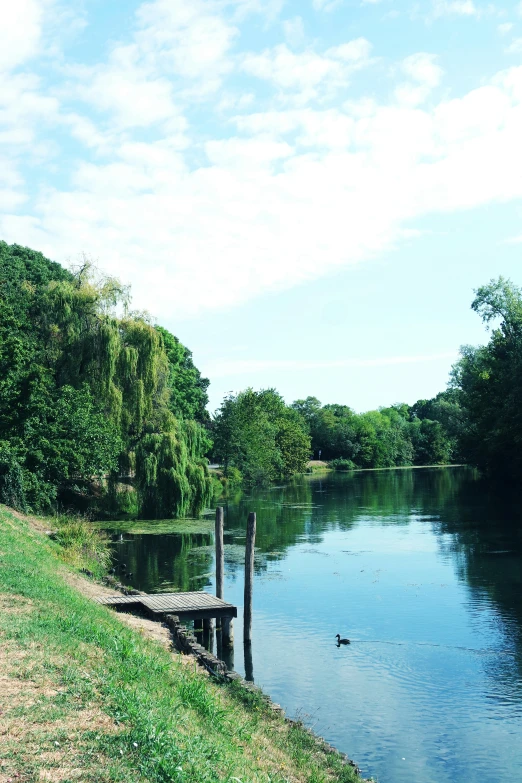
(488, 383)
(188, 397)
(423, 434)
(88, 397)
(256, 434)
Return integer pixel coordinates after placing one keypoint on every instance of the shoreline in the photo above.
(324, 467)
(87, 695)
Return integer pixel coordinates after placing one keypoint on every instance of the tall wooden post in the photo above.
(249, 577)
(208, 634)
(220, 555)
(227, 632)
(228, 657)
(249, 665)
(224, 624)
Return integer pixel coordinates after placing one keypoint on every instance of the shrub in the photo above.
(342, 464)
(83, 545)
(12, 492)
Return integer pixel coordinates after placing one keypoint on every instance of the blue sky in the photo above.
(306, 193)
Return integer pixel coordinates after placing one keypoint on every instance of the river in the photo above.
(420, 568)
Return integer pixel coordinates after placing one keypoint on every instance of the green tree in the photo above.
(437, 445)
(188, 389)
(256, 433)
(431, 445)
(488, 380)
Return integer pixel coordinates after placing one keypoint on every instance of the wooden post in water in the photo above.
(208, 634)
(220, 554)
(249, 577)
(249, 666)
(227, 632)
(224, 624)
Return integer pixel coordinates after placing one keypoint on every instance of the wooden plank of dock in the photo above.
(114, 600)
(187, 606)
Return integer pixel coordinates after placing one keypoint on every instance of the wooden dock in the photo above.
(187, 606)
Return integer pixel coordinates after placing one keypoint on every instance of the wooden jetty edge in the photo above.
(187, 606)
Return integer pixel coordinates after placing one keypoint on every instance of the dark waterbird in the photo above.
(341, 641)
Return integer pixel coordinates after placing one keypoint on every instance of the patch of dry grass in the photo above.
(43, 734)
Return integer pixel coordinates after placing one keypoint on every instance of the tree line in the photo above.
(259, 438)
(476, 420)
(104, 411)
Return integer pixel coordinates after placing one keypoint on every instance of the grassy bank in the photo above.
(84, 697)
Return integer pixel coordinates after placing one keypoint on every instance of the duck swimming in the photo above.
(342, 641)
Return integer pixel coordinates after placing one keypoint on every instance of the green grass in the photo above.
(84, 697)
(82, 545)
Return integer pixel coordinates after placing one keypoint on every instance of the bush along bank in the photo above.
(86, 697)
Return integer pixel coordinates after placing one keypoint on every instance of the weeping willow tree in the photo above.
(125, 361)
(82, 336)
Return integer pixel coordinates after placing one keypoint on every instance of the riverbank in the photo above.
(84, 696)
(315, 466)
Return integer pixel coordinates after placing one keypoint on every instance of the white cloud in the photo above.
(11, 190)
(330, 129)
(422, 68)
(250, 154)
(20, 32)
(85, 131)
(515, 47)
(221, 368)
(505, 28)
(425, 75)
(289, 194)
(25, 108)
(29, 28)
(270, 9)
(294, 31)
(269, 212)
(25, 113)
(454, 8)
(185, 37)
(309, 75)
(180, 50)
(357, 50)
(326, 5)
(128, 92)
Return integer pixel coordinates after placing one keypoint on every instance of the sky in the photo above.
(306, 193)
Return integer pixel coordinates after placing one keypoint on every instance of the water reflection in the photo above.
(164, 563)
(421, 569)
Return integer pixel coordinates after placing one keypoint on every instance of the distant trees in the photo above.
(258, 435)
(396, 436)
(439, 426)
(477, 420)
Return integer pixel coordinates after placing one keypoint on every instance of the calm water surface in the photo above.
(421, 569)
